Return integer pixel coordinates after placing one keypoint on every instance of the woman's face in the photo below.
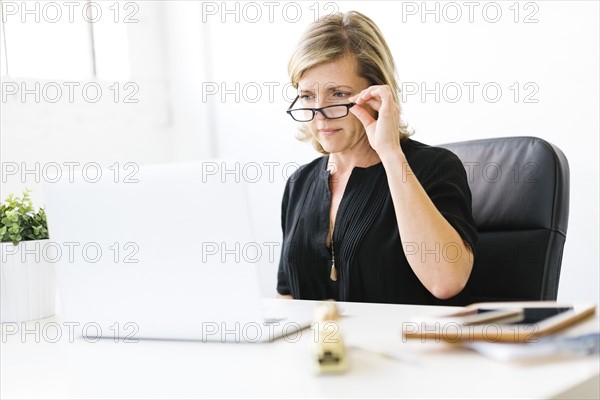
(328, 84)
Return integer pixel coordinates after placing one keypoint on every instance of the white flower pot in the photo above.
(27, 282)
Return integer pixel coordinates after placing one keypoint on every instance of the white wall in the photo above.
(183, 50)
(554, 60)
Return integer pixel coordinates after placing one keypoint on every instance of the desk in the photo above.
(168, 369)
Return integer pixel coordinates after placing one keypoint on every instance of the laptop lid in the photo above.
(167, 253)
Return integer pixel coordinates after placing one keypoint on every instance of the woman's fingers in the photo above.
(374, 96)
(363, 115)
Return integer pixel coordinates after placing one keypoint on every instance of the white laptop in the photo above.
(162, 252)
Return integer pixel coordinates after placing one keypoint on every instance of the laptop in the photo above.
(162, 252)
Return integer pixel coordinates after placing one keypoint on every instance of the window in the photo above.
(65, 40)
(2, 50)
(83, 63)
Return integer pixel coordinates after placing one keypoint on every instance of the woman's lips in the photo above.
(328, 132)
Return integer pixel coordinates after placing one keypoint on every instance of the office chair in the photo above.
(520, 189)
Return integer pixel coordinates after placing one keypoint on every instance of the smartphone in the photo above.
(534, 315)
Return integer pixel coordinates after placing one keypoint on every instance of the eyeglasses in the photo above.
(307, 114)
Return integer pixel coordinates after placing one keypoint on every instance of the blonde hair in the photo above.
(335, 36)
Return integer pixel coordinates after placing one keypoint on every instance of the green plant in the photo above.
(19, 221)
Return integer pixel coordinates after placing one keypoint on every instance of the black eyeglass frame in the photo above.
(315, 110)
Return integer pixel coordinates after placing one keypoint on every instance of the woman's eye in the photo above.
(306, 97)
(341, 94)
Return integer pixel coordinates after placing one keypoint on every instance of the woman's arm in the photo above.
(284, 296)
(438, 255)
(422, 227)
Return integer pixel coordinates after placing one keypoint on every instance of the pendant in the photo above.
(333, 274)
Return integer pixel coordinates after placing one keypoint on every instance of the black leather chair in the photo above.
(520, 188)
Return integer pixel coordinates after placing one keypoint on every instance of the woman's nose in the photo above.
(319, 115)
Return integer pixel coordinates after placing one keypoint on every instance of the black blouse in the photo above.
(369, 256)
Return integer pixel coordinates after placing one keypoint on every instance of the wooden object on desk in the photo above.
(446, 329)
(329, 350)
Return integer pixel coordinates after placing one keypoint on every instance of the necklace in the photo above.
(333, 274)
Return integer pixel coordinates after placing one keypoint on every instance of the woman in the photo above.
(380, 217)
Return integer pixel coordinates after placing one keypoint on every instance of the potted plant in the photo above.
(27, 284)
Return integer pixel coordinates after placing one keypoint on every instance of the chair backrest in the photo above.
(520, 189)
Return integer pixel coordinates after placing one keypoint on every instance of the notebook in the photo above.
(162, 252)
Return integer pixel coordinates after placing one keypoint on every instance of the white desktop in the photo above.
(40, 360)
